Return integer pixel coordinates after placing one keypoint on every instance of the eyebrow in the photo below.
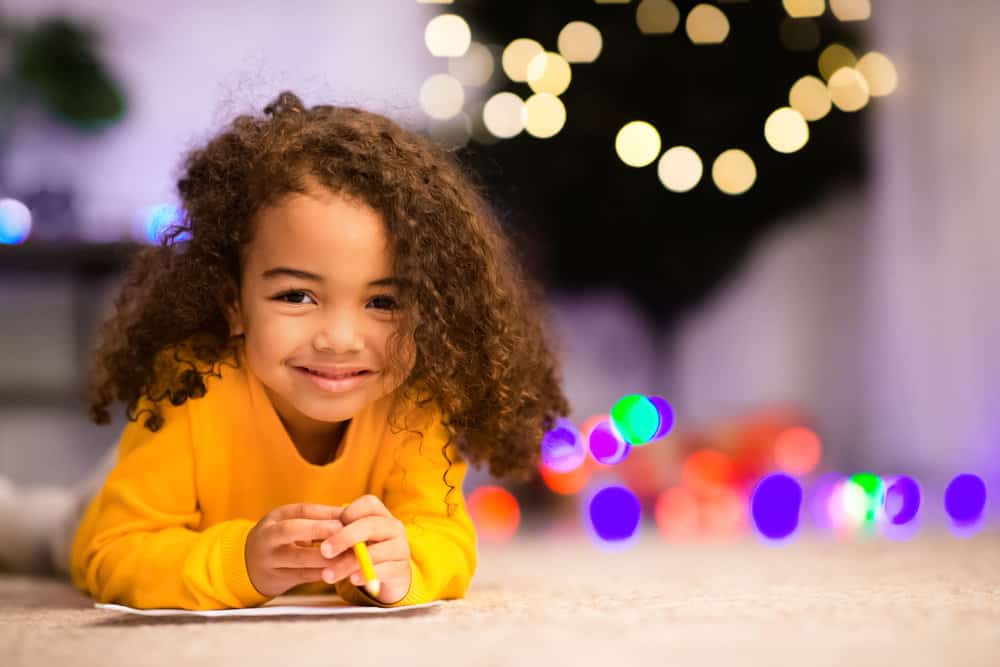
(285, 271)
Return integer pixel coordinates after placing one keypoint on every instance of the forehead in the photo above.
(323, 232)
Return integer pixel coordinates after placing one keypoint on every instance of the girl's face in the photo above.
(317, 306)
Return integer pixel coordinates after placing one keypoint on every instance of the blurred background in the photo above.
(777, 217)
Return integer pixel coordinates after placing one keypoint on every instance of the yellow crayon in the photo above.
(367, 569)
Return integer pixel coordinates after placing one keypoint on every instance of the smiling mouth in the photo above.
(331, 376)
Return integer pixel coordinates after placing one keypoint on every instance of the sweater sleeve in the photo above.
(141, 542)
(424, 491)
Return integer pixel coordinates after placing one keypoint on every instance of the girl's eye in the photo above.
(293, 296)
(384, 303)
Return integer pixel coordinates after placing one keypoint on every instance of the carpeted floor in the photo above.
(932, 601)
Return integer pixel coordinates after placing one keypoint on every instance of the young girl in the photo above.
(310, 360)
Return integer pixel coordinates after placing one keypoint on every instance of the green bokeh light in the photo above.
(874, 489)
(636, 419)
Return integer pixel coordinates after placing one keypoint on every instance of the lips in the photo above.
(335, 373)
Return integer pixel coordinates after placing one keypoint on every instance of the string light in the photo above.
(657, 17)
(474, 67)
(786, 130)
(879, 73)
(833, 58)
(679, 169)
(800, 9)
(579, 42)
(734, 172)
(447, 35)
(706, 24)
(548, 72)
(848, 89)
(516, 57)
(441, 96)
(810, 97)
(851, 10)
(504, 115)
(637, 143)
(545, 115)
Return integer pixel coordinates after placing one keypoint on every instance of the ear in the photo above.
(235, 318)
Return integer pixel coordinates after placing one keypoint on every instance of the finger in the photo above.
(367, 529)
(299, 557)
(306, 511)
(298, 575)
(385, 571)
(347, 563)
(303, 530)
(368, 505)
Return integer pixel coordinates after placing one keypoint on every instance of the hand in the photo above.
(279, 555)
(367, 520)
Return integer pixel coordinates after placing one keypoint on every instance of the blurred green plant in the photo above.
(55, 64)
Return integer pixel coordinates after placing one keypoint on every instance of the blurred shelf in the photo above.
(68, 257)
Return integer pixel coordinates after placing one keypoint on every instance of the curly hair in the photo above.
(474, 316)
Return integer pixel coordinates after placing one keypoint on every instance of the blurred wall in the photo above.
(881, 315)
(188, 67)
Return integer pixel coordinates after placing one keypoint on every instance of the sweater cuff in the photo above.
(357, 595)
(234, 564)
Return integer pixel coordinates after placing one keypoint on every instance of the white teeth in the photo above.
(334, 377)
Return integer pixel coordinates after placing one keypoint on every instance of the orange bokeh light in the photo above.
(567, 483)
(797, 451)
(495, 513)
(676, 514)
(708, 472)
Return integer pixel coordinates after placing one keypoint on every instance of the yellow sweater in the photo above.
(169, 528)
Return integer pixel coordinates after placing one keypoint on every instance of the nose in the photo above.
(338, 333)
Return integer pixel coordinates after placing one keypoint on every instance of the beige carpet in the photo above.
(933, 601)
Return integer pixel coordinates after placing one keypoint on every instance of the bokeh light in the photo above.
(15, 222)
(879, 72)
(517, 55)
(734, 172)
(849, 505)
(657, 17)
(453, 133)
(833, 58)
(637, 143)
(724, 515)
(676, 514)
(821, 499)
(665, 412)
(708, 472)
(504, 115)
(851, 10)
(579, 42)
(775, 506)
(562, 447)
(706, 24)
(874, 490)
(442, 96)
(810, 97)
(797, 451)
(848, 89)
(902, 500)
(544, 115)
(965, 500)
(636, 419)
(566, 483)
(447, 35)
(606, 446)
(474, 67)
(679, 169)
(155, 221)
(799, 35)
(804, 8)
(613, 513)
(495, 512)
(548, 72)
(786, 130)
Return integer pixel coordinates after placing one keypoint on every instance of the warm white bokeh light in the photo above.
(679, 169)
(833, 58)
(706, 24)
(579, 42)
(848, 89)
(548, 72)
(475, 67)
(516, 57)
(447, 36)
(453, 133)
(637, 143)
(800, 9)
(851, 10)
(504, 115)
(657, 17)
(879, 72)
(810, 97)
(734, 172)
(786, 130)
(441, 96)
(545, 115)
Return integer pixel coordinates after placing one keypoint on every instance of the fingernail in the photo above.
(326, 550)
(328, 576)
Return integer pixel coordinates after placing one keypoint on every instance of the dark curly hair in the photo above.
(473, 315)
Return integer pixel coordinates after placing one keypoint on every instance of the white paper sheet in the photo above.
(285, 605)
